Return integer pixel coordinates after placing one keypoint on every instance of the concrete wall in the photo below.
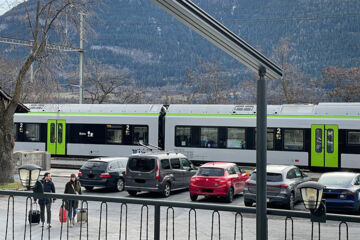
(41, 159)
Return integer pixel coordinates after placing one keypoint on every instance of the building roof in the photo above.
(21, 108)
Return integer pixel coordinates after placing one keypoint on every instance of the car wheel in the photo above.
(248, 203)
(291, 203)
(119, 187)
(230, 196)
(166, 190)
(132, 193)
(89, 188)
(193, 197)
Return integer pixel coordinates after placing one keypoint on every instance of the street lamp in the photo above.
(311, 193)
(29, 175)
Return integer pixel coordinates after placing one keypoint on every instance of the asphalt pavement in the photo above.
(204, 219)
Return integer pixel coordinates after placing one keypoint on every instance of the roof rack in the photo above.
(151, 147)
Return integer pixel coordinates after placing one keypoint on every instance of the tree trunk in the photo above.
(6, 147)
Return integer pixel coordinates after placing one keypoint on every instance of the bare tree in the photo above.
(8, 71)
(105, 83)
(343, 84)
(295, 86)
(207, 83)
(44, 19)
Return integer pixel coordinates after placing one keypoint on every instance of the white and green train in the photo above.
(326, 135)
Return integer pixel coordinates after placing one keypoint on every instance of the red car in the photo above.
(217, 179)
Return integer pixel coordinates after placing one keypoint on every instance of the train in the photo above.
(324, 135)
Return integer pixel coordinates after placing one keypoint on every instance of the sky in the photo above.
(6, 5)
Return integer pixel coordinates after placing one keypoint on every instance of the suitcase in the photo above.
(34, 216)
(82, 215)
(62, 214)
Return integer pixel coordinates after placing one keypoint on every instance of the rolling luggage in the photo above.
(34, 216)
(62, 214)
(82, 215)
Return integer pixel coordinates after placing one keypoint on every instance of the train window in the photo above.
(140, 135)
(353, 138)
(293, 139)
(114, 134)
(330, 141)
(269, 139)
(52, 132)
(318, 142)
(236, 138)
(209, 137)
(87, 133)
(60, 133)
(32, 132)
(182, 136)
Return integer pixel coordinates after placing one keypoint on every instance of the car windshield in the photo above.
(335, 180)
(270, 177)
(141, 164)
(94, 165)
(213, 172)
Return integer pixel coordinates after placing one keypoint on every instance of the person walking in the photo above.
(72, 187)
(48, 186)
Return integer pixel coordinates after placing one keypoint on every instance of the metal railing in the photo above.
(138, 218)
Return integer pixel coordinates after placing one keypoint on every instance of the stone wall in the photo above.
(41, 159)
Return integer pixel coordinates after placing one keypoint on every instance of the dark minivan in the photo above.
(158, 172)
(105, 172)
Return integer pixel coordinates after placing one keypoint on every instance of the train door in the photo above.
(324, 146)
(56, 139)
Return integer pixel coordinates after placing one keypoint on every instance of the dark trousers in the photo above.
(48, 212)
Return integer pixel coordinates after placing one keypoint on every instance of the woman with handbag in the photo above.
(72, 187)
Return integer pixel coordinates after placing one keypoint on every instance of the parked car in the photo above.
(282, 181)
(158, 172)
(342, 190)
(105, 172)
(220, 179)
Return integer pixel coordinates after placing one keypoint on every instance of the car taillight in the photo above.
(221, 181)
(105, 175)
(79, 174)
(157, 170)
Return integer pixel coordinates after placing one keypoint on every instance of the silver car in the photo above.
(282, 181)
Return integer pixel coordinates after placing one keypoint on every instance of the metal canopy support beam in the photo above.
(261, 161)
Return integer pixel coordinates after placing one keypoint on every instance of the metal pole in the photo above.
(261, 132)
(157, 222)
(81, 57)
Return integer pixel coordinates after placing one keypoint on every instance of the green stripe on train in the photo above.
(91, 114)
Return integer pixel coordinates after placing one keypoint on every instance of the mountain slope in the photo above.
(137, 35)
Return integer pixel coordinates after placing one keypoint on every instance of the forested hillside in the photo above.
(155, 48)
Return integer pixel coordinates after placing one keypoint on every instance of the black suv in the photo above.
(158, 172)
(103, 172)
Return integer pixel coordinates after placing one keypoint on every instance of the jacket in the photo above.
(46, 187)
(69, 189)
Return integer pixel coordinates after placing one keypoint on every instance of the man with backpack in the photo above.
(48, 186)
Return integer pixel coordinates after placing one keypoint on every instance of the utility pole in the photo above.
(81, 74)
